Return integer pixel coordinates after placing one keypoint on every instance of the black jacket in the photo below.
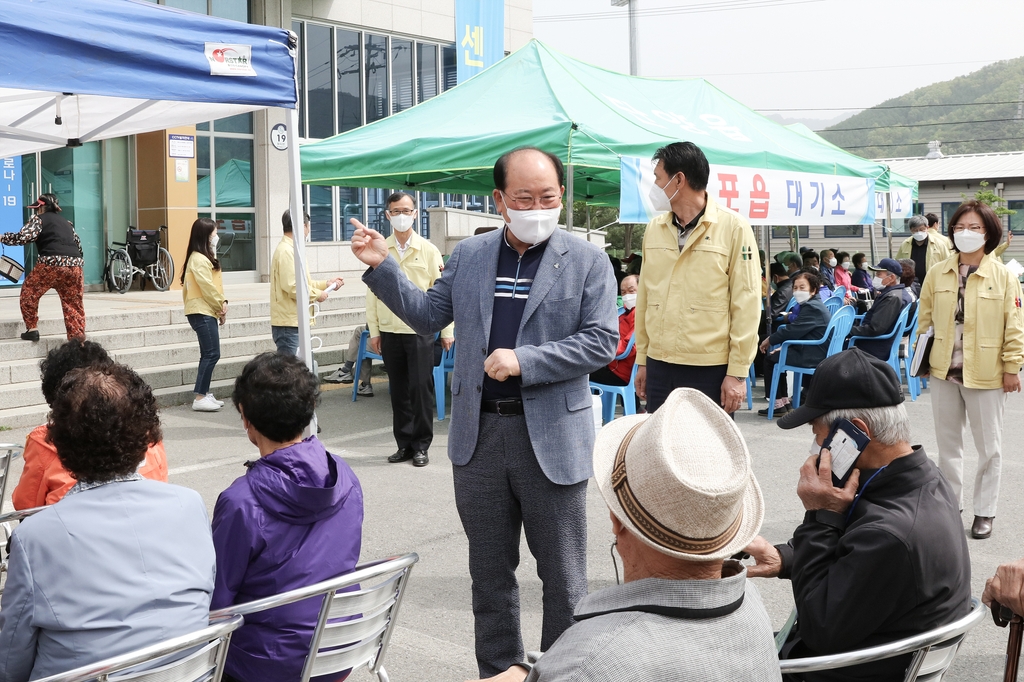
(880, 320)
(810, 324)
(900, 567)
(780, 298)
(57, 237)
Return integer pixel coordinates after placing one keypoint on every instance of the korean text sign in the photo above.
(11, 218)
(479, 35)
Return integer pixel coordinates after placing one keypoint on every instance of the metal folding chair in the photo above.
(338, 645)
(8, 451)
(165, 661)
(933, 651)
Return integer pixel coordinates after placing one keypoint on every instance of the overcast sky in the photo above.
(811, 55)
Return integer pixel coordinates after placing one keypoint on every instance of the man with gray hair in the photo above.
(883, 557)
(921, 247)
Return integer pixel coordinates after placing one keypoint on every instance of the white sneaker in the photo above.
(339, 376)
(220, 403)
(365, 390)
(205, 404)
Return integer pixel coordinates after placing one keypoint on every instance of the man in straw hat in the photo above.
(683, 500)
(885, 556)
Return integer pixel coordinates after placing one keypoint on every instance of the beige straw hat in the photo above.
(680, 479)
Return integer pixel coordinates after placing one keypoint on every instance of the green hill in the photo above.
(971, 114)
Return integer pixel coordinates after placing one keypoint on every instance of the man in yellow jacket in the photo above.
(698, 304)
(922, 247)
(408, 356)
(284, 316)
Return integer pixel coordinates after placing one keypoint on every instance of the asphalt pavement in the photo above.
(410, 509)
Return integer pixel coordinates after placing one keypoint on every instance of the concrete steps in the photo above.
(158, 342)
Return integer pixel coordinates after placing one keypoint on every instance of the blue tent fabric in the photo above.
(130, 48)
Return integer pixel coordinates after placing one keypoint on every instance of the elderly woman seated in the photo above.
(121, 562)
(43, 480)
(294, 519)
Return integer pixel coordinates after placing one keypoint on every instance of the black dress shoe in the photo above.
(779, 411)
(402, 455)
(420, 459)
(30, 336)
(982, 527)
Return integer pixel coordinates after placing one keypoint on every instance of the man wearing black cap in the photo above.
(890, 299)
(884, 557)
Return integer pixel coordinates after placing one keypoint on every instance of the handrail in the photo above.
(357, 575)
(883, 651)
(219, 628)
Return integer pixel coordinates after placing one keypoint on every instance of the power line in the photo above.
(668, 11)
(895, 106)
(921, 125)
(850, 68)
(912, 144)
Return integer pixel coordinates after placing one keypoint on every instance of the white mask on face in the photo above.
(919, 236)
(876, 282)
(534, 225)
(629, 301)
(969, 242)
(847, 265)
(660, 201)
(214, 240)
(815, 448)
(832, 262)
(802, 296)
(402, 223)
(862, 266)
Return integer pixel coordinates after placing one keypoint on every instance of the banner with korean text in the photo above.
(479, 35)
(762, 196)
(11, 215)
(902, 199)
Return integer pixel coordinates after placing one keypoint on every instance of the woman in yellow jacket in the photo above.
(973, 303)
(205, 306)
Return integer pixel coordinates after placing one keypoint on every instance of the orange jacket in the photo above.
(624, 367)
(44, 481)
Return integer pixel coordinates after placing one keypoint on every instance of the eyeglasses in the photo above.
(525, 202)
(401, 211)
(973, 227)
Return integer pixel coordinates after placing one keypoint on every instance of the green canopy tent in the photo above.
(234, 185)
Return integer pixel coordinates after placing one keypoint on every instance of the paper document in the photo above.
(1016, 268)
(924, 348)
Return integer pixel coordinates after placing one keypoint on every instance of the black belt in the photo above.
(505, 407)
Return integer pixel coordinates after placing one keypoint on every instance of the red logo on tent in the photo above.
(220, 54)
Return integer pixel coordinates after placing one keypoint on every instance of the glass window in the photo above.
(203, 169)
(232, 160)
(230, 9)
(449, 70)
(1017, 219)
(402, 75)
(237, 248)
(350, 205)
(321, 227)
(297, 29)
(899, 228)
(242, 123)
(427, 200)
(454, 200)
(426, 71)
(843, 231)
(375, 217)
(784, 232)
(376, 77)
(350, 110)
(320, 81)
(475, 203)
(191, 5)
(948, 209)
(205, 125)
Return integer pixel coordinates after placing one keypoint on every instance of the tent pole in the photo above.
(871, 242)
(888, 218)
(569, 191)
(299, 237)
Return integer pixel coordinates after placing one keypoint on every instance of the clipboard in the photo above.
(920, 364)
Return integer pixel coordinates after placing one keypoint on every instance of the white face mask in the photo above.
(847, 265)
(660, 201)
(629, 301)
(815, 448)
(832, 262)
(214, 240)
(862, 266)
(968, 242)
(919, 236)
(402, 223)
(802, 296)
(876, 282)
(534, 225)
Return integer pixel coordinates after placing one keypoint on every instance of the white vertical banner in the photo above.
(902, 203)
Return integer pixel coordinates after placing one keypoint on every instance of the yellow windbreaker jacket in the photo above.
(203, 292)
(282, 286)
(936, 251)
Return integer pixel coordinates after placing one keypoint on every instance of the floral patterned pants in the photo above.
(68, 283)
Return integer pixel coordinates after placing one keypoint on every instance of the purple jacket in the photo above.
(294, 519)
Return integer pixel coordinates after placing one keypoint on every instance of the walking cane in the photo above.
(1003, 617)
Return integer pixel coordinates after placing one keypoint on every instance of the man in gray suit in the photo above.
(539, 306)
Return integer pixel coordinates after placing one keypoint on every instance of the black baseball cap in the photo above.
(847, 380)
(888, 265)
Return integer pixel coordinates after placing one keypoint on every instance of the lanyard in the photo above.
(849, 512)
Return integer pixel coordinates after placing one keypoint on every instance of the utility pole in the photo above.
(634, 43)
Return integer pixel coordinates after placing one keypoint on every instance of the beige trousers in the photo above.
(952, 406)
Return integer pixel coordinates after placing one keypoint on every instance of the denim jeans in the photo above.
(209, 349)
(286, 339)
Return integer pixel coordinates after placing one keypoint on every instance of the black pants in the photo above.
(410, 362)
(665, 377)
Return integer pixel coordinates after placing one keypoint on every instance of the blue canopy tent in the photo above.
(82, 70)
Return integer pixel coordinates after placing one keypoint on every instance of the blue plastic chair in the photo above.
(840, 291)
(834, 304)
(751, 377)
(913, 383)
(363, 354)
(446, 366)
(893, 337)
(835, 334)
(610, 394)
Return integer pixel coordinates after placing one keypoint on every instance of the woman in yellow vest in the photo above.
(205, 306)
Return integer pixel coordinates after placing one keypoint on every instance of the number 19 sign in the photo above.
(279, 137)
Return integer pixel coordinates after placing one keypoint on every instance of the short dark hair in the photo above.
(858, 258)
(993, 227)
(688, 159)
(808, 255)
(813, 280)
(778, 270)
(932, 219)
(398, 196)
(501, 166)
(286, 220)
(51, 203)
(277, 394)
(841, 255)
(102, 421)
(69, 355)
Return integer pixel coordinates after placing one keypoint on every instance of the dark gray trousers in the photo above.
(499, 493)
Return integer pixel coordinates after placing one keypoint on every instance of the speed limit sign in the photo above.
(279, 136)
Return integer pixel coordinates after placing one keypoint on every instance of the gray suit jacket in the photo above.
(569, 329)
(103, 572)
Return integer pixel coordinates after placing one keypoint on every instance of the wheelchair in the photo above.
(139, 254)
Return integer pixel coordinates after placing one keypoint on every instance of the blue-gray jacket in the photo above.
(103, 572)
(569, 329)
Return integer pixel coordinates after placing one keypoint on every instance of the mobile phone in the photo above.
(845, 441)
